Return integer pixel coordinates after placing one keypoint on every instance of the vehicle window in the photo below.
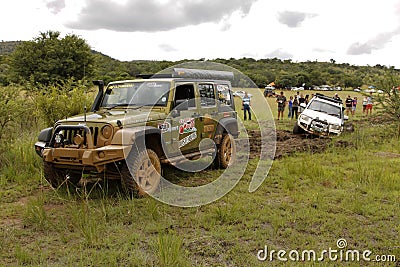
(325, 108)
(207, 94)
(224, 94)
(185, 92)
(137, 94)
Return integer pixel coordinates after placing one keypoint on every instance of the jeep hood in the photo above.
(112, 116)
(322, 116)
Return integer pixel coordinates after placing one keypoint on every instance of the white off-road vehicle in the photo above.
(322, 116)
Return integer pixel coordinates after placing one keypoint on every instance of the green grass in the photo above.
(308, 201)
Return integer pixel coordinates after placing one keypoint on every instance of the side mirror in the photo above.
(182, 104)
(303, 105)
(346, 118)
(175, 113)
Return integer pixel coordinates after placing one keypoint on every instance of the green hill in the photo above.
(7, 47)
(284, 73)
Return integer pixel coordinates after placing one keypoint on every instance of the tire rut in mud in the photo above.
(288, 143)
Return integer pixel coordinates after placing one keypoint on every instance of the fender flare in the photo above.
(129, 136)
(228, 125)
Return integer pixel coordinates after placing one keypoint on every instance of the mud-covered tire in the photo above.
(297, 129)
(141, 172)
(58, 177)
(226, 153)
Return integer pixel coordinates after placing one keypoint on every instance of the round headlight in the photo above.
(106, 131)
(78, 140)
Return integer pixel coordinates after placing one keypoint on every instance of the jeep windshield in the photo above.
(136, 94)
(325, 107)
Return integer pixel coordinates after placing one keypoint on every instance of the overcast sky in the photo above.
(358, 32)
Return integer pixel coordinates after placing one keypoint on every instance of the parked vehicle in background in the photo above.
(325, 88)
(269, 91)
(241, 94)
(296, 88)
(323, 116)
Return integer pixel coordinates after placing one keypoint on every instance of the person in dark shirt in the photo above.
(349, 105)
(281, 100)
(295, 107)
(301, 101)
(336, 97)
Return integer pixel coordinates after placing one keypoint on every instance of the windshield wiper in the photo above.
(134, 108)
(116, 105)
(130, 106)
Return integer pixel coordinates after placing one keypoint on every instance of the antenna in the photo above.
(84, 93)
(84, 112)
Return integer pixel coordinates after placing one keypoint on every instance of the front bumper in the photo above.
(320, 128)
(83, 158)
(81, 155)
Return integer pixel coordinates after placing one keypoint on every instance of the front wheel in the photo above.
(297, 129)
(141, 173)
(226, 153)
(58, 177)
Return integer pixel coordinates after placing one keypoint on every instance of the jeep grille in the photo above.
(70, 134)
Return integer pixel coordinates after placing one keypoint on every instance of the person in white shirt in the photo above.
(246, 106)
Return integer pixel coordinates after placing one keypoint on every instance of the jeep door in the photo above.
(184, 136)
(208, 112)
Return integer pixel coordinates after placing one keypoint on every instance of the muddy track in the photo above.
(288, 143)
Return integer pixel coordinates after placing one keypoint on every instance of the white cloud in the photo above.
(167, 48)
(55, 6)
(293, 19)
(279, 53)
(153, 16)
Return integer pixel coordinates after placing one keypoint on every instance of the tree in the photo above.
(390, 100)
(302, 78)
(50, 59)
(286, 80)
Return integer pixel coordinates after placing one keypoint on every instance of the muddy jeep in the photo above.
(135, 126)
(323, 116)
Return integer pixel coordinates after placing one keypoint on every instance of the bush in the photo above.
(16, 112)
(390, 100)
(57, 102)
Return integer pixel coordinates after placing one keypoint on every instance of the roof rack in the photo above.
(158, 75)
(328, 98)
(192, 74)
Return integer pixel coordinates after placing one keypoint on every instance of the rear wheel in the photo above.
(226, 152)
(141, 173)
(58, 177)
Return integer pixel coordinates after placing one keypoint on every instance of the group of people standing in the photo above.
(293, 104)
(367, 103)
(351, 105)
